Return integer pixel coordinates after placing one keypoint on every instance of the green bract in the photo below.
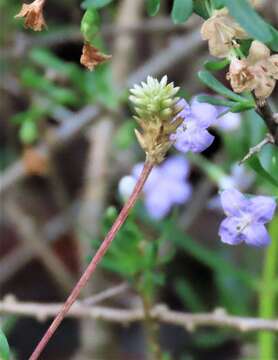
(154, 99)
(156, 112)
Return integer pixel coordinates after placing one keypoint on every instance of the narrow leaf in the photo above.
(215, 101)
(200, 8)
(244, 106)
(208, 79)
(250, 20)
(181, 11)
(97, 4)
(218, 4)
(90, 24)
(256, 165)
(216, 65)
(4, 347)
(153, 7)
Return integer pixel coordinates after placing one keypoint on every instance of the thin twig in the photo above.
(161, 26)
(105, 294)
(256, 149)
(96, 259)
(52, 231)
(33, 239)
(218, 318)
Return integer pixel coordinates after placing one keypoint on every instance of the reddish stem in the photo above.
(96, 259)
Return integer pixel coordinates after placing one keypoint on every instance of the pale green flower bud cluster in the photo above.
(156, 112)
(154, 99)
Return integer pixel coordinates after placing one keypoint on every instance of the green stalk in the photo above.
(267, 305)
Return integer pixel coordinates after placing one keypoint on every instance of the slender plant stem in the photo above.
(94, 262)
(267, 309)
(151, 327)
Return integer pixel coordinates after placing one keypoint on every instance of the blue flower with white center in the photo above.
(166, 186)
(192, 134)
(246, 218)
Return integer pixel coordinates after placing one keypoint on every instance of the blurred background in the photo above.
(67, 139)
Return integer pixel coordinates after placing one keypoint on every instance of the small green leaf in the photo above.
(90, 24)
(216, 65)
(4, 347)
(97, 4)
(153, 7)
(208, 79)
(256, 165)
(28, 132)
(218, 4)
(244, 106)
(201, 9)
(215, 101)
(249, 19)
(181, 11)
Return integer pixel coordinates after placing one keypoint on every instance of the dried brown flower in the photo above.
(258, 3)
(33, 15)
(221, 31)
(91, 56)
(258, 72)
(34, 162)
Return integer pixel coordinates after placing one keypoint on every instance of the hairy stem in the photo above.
(151, 327)
(94, 262)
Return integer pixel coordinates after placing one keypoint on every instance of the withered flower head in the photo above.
(221, 30)
(257, 3)
(91, 56)
(35, 163)
(33, 15)
(258, 72)
(156, 108)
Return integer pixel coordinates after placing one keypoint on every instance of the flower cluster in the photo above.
(246, 218)
(156, 107)
(166, 186)
(258, 72)
(221, 31)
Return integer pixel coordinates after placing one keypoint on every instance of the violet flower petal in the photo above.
(203, 113)
(176, 167)
(157, 204)
(256, 235)
(186, 110)
(233, 202)
(180, 192)
(262, 208)
(195, 140)
(228, 231)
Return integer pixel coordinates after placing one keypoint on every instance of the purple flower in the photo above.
(246, 218)
(227, 122)
(239, 178)
(192, 134)
(166, 186)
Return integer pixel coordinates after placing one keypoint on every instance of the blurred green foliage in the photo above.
(4, 347)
